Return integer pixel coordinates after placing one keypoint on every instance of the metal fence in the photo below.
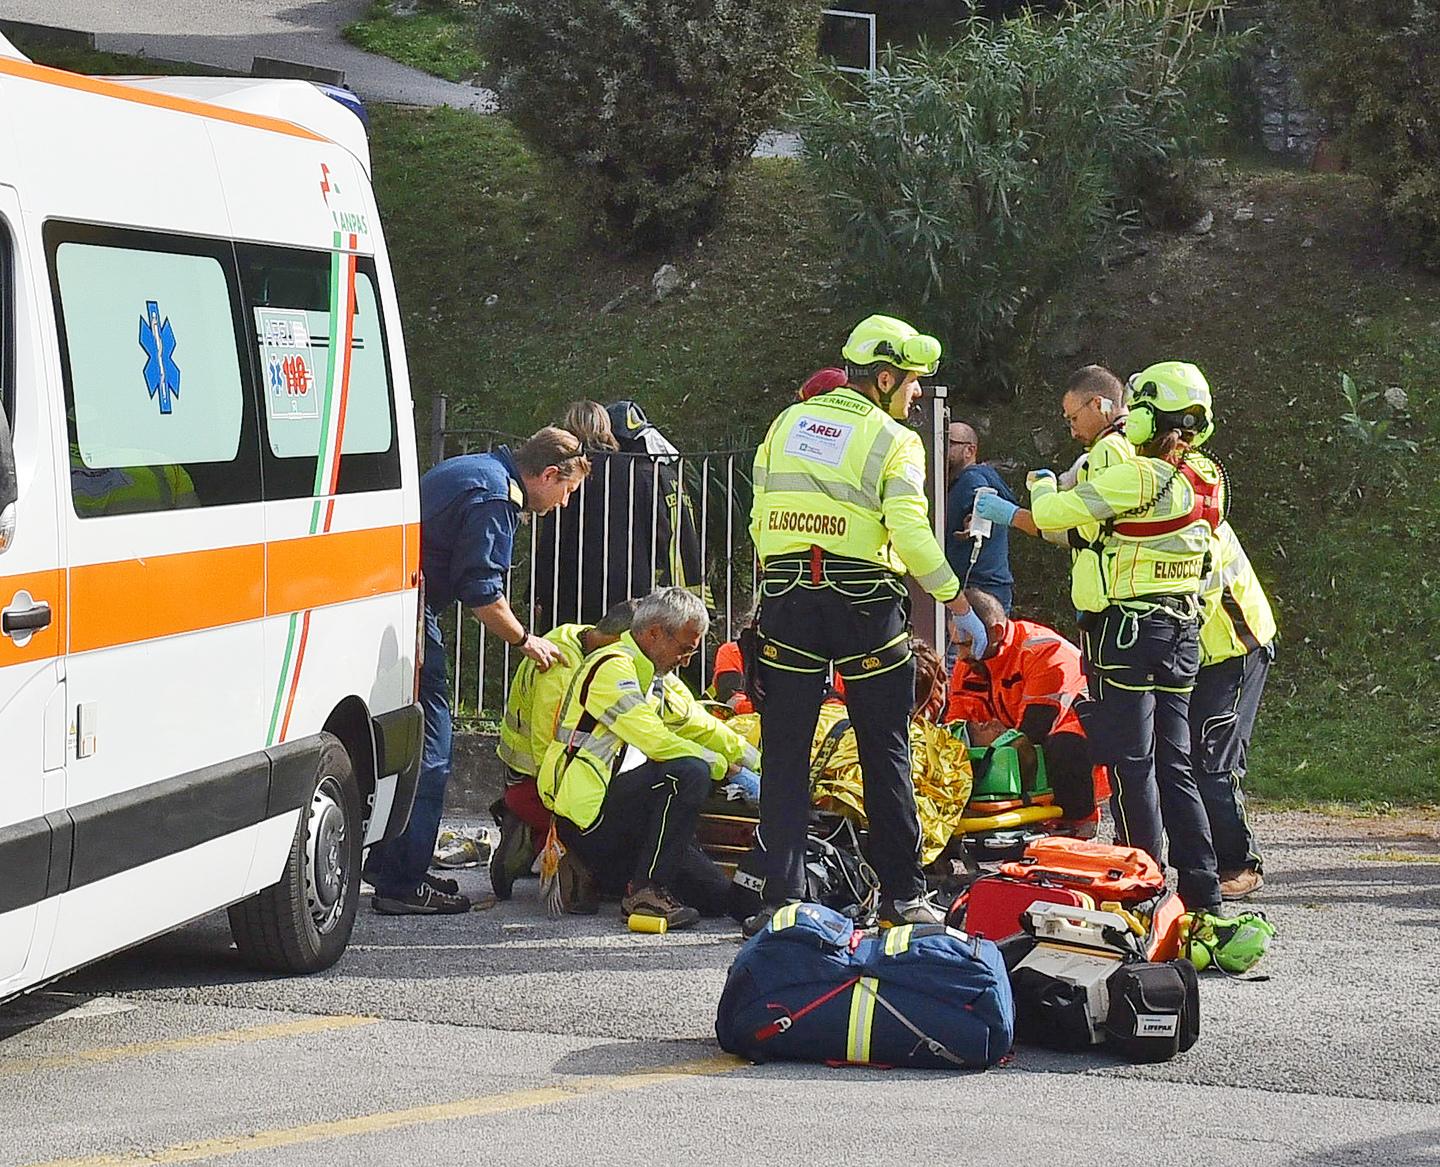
(638, 522)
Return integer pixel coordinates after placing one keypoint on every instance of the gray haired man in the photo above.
(633, 760)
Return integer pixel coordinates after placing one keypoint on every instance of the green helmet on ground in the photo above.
(1170, 395)
(884, 338)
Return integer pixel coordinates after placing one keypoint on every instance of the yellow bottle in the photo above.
(643, 923)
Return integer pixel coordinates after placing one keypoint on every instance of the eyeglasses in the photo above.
(1070, 417)
(688, 648)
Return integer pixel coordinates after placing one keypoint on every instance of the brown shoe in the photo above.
(1237, 885)
(579, 895)
(650, 899)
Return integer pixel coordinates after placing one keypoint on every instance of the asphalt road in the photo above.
(504, 1035)
(229, 34)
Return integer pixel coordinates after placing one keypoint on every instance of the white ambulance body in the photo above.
(209, 514)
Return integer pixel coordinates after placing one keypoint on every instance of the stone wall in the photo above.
(1287, 124)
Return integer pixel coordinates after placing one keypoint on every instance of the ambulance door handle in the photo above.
(25, 617)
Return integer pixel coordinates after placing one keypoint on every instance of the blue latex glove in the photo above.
(1036, 475)
(747, 782)
(970, 628)
(995, 508)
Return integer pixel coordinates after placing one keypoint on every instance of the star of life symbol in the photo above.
(162, 374)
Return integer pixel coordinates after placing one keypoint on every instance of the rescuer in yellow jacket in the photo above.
(637, 823)
(839, 517)
(527, 729)
(1237, 644)
(1158, 514)
(1093, 405)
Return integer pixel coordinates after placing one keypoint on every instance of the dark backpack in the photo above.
(809, 987)
(836, 873)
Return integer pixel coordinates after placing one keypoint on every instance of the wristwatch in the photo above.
(524, 636)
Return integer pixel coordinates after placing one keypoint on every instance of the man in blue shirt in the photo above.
(967, 474)
(470, 507)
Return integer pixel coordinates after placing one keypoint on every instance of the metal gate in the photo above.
(640, 521)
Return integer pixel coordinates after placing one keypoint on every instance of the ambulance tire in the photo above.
(303, 923)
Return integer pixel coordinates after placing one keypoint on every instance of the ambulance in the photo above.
(209, 519)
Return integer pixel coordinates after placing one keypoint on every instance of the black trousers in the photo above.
(1222, 717)
(1071, 773)
(1142, 669)
(646, 832)
(828, 626)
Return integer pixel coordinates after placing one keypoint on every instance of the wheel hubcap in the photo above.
(325, 867)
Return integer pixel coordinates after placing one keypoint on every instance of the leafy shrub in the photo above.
(1374, 68)
(973, 181)
(1376, 451)
(651, 102)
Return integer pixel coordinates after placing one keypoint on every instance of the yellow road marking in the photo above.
(366, 1124)
(141, 1049)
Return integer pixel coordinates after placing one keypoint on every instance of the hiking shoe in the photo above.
(921, 910)
(1237, 885)
(424, 900)
(650, 899)
(579, 893)
(513, 856)
(449, 887)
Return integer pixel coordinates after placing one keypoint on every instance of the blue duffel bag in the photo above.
(811, 988)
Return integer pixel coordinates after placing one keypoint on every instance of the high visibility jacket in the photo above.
(1110, 447)
(838, 473)
(1236, 617)
(1156, 521)
(128, 490)
(534, 699)
(1035, 669)
(614, 699)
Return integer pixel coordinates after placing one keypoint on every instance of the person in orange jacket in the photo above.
(1030, 680)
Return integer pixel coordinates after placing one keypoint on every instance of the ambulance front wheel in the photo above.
(302, 923)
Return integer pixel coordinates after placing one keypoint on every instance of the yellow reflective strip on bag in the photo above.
(784, 917)
(862, 1017)
(897, 940)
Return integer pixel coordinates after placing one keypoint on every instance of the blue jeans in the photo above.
(397, 867)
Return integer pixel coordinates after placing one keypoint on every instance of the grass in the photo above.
(1274, 308)
(102, 64)
(436, 40)
(1350, 712)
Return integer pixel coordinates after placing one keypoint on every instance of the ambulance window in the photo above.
(293, 301)
(157, 403)
(7, 331)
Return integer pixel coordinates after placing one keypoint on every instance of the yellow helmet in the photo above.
(1169, 395)
(884, 338)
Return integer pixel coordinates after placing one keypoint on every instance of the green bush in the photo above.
(971, 182)
(1374, 68)
(651, 102)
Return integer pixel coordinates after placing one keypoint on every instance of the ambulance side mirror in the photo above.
(9, 489)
